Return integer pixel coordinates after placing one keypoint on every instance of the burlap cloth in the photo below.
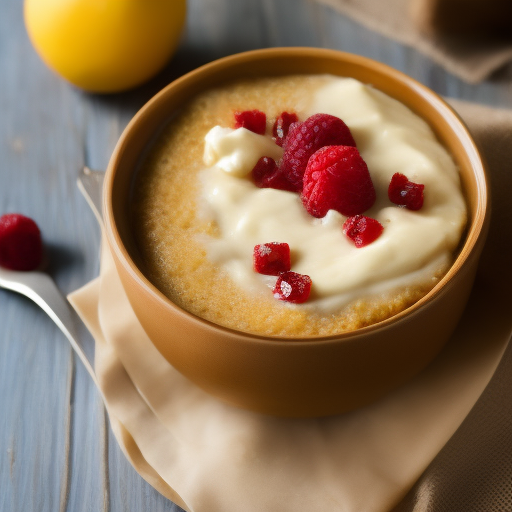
(424, 447)
(472, 57)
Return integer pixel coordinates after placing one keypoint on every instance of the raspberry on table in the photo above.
(337, 178)
(306, 138)
(362, 230)
(282, 125)
(403, 192)
(271, 258)
(266, 174)
(253, 120)
(292, 287)
(21, 247)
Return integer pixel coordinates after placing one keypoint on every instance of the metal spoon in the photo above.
(41, 288)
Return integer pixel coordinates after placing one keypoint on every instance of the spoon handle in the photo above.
(90, 184)
(41, 288)
(51, 300)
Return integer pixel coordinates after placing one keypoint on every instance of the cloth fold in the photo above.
(472, 57)
(209, 457)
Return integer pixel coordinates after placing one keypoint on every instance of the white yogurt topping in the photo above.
(237, 151)
(390, 138)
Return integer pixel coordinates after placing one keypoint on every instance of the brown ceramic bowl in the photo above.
(314, 376)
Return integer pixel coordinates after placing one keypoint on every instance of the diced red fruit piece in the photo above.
(282, 126)
(306, 138)
(266, 174)
(337, 178)
(21, 247)
(264, 167)
(293, 287)
(362, 230)
(403, 192)
(253, 120)
(272, 258)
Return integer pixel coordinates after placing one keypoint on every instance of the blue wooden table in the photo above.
(56, 448)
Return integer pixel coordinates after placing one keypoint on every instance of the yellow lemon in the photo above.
(105, 45)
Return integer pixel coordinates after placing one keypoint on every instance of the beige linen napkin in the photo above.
(472, 57)
(209, 457)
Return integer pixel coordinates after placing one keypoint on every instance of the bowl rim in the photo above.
(475, 229)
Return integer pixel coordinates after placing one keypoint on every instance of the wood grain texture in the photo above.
(57, 451)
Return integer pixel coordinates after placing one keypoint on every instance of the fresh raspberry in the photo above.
(337, 178)
(266, 174)
(403, 192)
(271, 259)
(362, 230)
(306, 138)
(21, 247)
(253, 120)
(282, 125)
(292, 287)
